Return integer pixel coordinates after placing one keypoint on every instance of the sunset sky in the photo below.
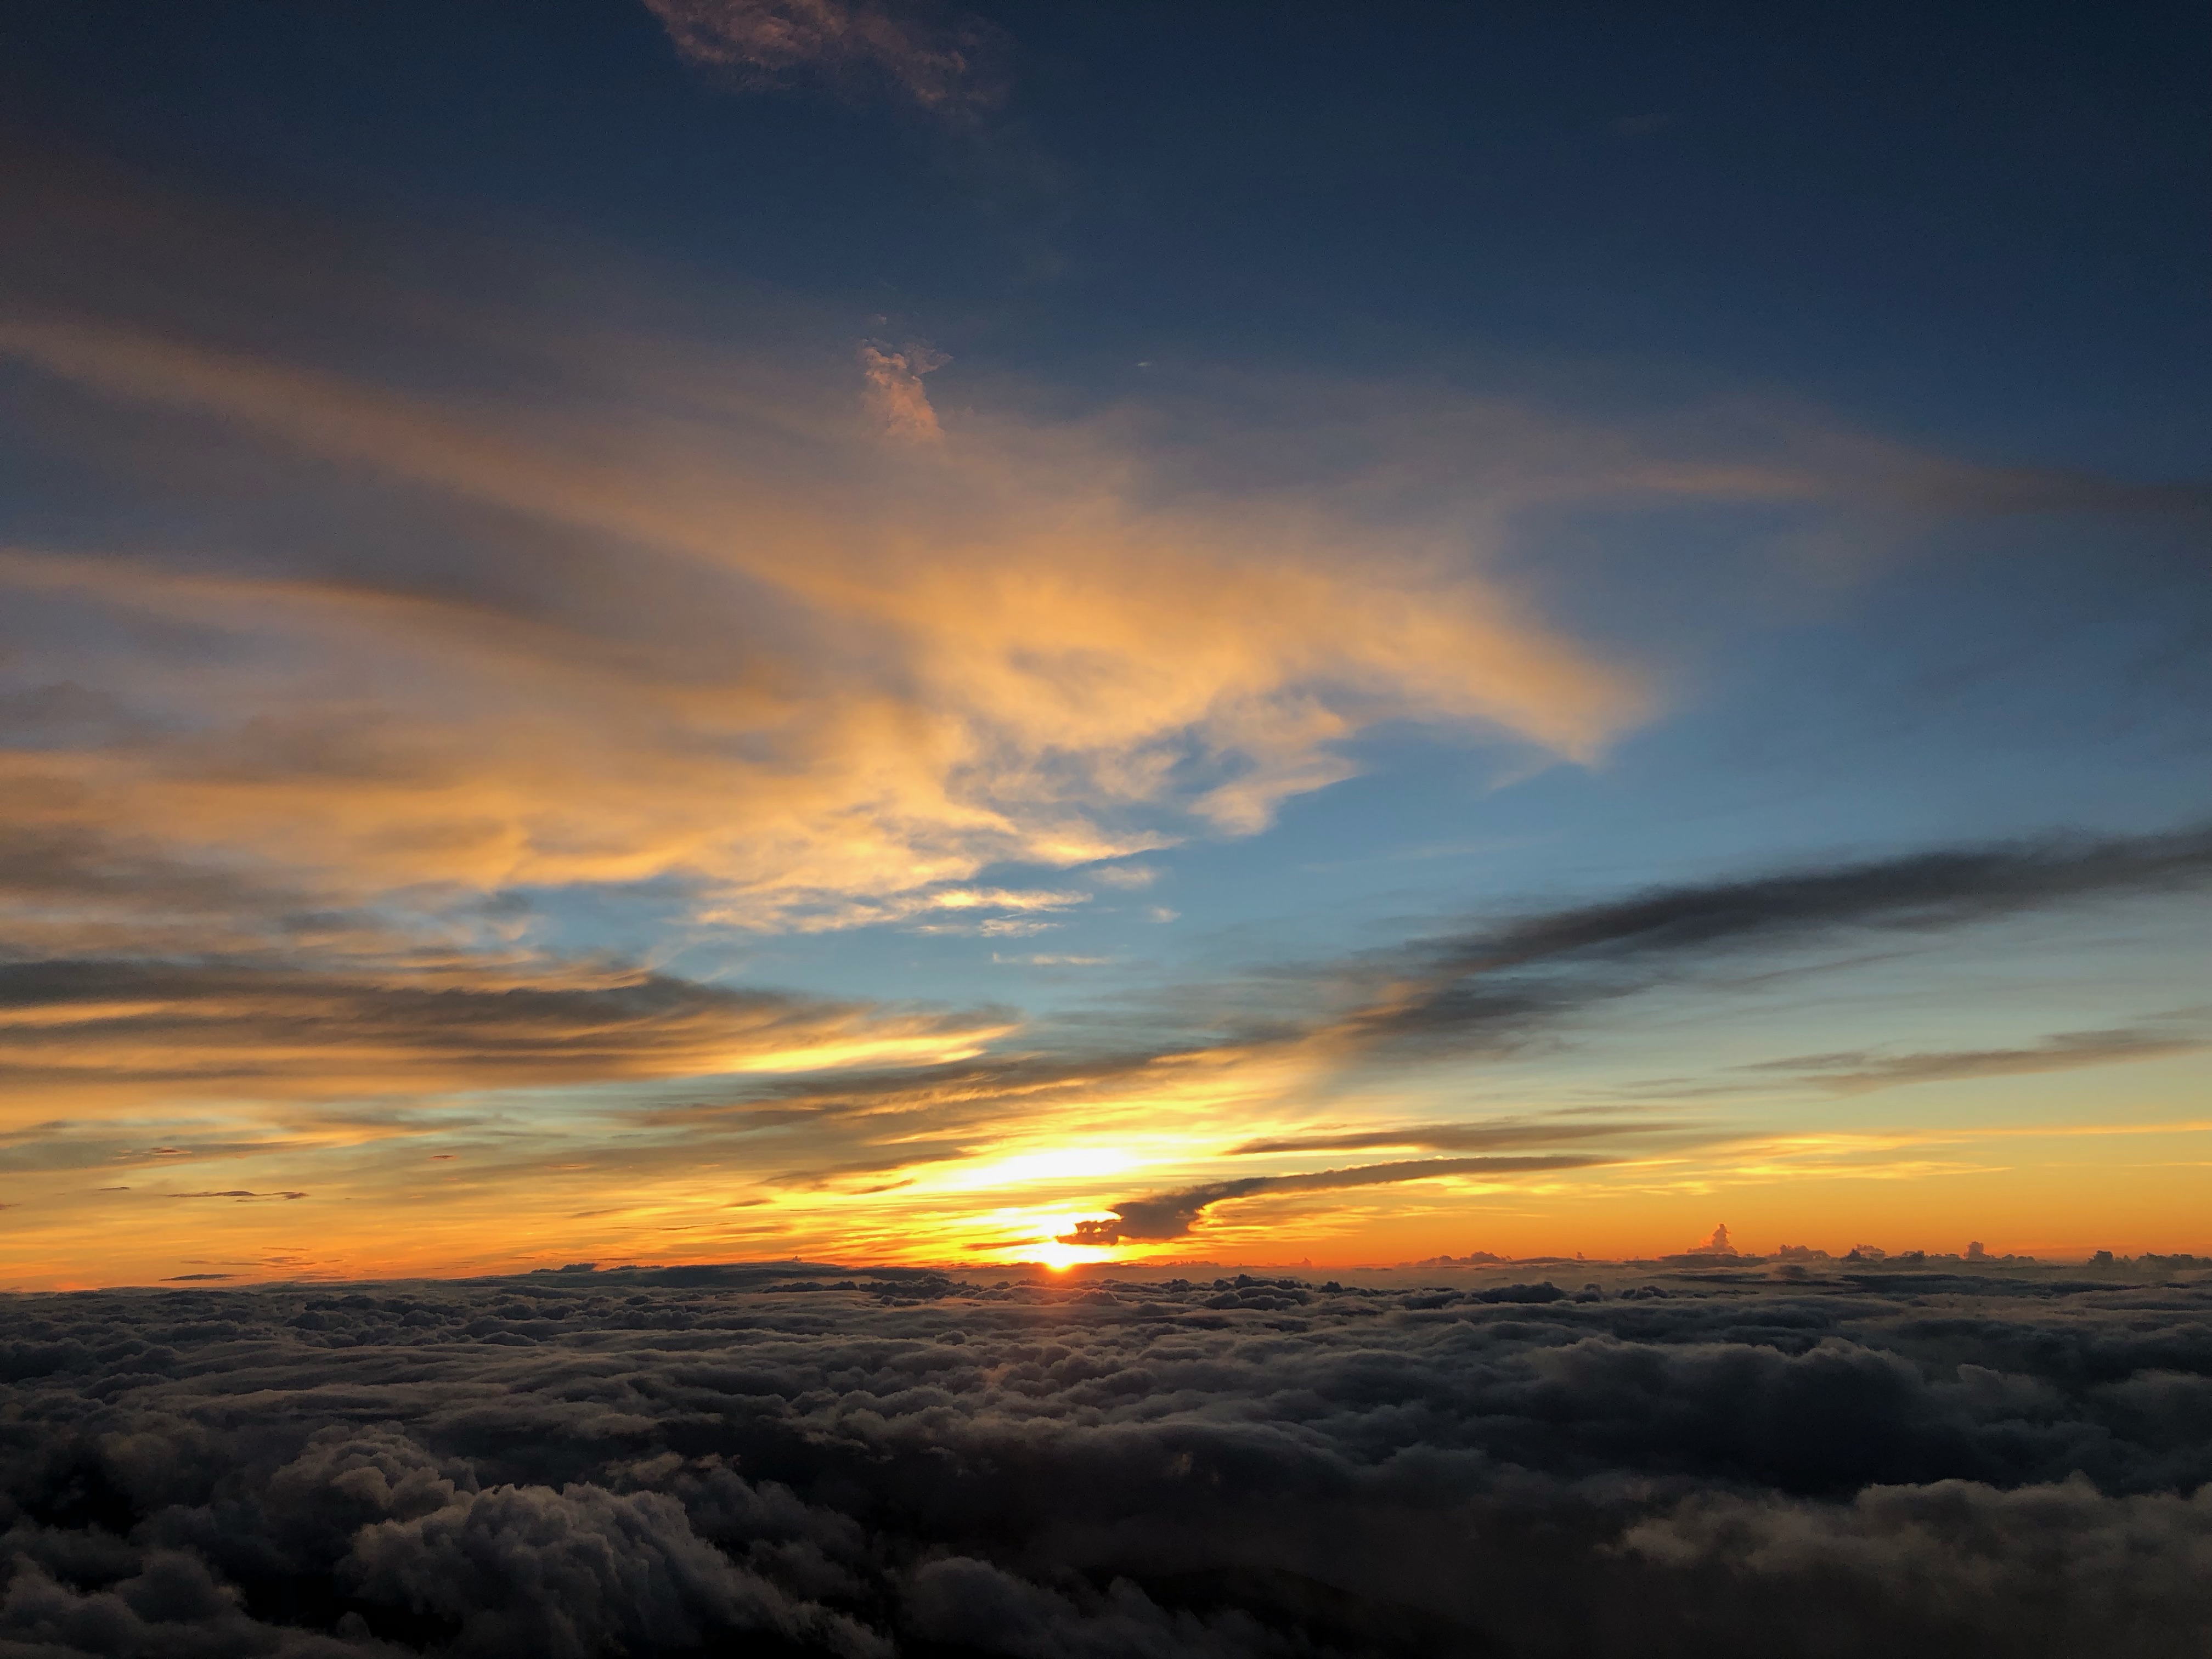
(704, 630)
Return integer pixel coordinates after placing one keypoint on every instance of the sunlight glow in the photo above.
(1055, 1164)
(1060, 1257)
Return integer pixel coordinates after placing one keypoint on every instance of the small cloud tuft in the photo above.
(239, 1194)
(1125, 875)
(1717, 1245)
(894, 392)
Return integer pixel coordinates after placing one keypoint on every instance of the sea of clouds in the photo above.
(1555, 1459)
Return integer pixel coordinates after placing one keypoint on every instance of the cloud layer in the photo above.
(1985, 1461)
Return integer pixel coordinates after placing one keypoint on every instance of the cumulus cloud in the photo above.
(948, 66)
(573, 1573)
(2046, 1566)
(804, 1458)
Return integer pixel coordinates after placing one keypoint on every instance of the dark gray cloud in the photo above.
(1451, 1137)
(794, 1458)
(1493, 984)
(1169, 1215)
(1856, 1070)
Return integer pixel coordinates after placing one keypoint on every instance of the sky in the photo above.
(703, 630)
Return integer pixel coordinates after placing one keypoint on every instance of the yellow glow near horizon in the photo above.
(2043, 1191)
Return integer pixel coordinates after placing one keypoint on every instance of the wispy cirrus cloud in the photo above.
(686, 612)
(610, 608)
(71, 1030)
(1860, 1071)
(1488, 985)
(810, 704)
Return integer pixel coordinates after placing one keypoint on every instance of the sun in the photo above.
(1060, 1257)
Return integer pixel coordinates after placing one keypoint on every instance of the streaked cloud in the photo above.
(93, 1028)
(1169, 1215)
(1447, 1137)
(239, 1194)
(1488, 986)
(1858, 1070)
(928, 1130)
(1276, 1048)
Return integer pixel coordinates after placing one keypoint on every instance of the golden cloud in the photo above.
(815, 689)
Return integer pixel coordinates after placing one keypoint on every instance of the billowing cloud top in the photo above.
(1538, 1458)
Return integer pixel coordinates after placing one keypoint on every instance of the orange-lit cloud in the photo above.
(894, 391)
(814, 704)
